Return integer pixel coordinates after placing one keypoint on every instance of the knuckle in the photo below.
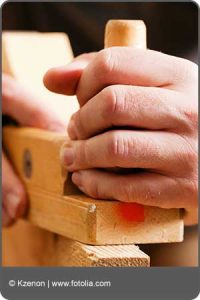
(191, 70)
(78, 127)
(118, 146)
(114, 102)
(191, 119)
(82, 157)
(105, 63)
(191, 189)
(93, 189)
(190, 158)
(114, 144)
(194, 191)
(128, 192)
(125, 193)
(185, 70)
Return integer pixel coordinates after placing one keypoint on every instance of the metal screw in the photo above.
(27, 163)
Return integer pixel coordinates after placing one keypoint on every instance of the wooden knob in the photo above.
(131, 33)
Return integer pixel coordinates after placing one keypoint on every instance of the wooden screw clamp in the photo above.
(55, 204)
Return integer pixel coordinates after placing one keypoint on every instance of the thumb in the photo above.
(64, 79)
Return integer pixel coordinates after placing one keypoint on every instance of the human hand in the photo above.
(139, 111)
(28, 110)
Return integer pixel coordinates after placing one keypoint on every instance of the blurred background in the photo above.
(172, 27)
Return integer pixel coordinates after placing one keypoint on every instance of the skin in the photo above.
(28, 110)
(138, 110)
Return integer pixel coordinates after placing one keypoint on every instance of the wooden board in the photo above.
(70, 253)
(27, 245)
(68, 212)
(27, 55)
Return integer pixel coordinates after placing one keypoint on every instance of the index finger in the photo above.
(64, 79)
(139, 67)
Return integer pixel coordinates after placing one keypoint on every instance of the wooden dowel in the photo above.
(131, 33)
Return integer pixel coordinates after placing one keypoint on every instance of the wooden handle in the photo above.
(130, 33)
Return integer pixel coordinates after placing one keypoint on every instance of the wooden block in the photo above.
(72, 254)
(27, 55)
(41, 149)
(56, 205)
(26, 245)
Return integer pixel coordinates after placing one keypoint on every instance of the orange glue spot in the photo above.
(132, 212)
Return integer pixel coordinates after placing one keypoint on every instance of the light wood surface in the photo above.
(27, 55)
(27, 245)
(78, 254)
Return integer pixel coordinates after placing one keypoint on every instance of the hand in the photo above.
(29, 110)
(139, 111)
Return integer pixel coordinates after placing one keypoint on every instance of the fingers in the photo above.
(124, 65)
(27, 108)
(137, 107)
(160, 151)
(64, 79)
(144, 188)
(13, 192)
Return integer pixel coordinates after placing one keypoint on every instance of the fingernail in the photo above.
(71, 130)
(67, 156)
(12, 203)
(77, 179)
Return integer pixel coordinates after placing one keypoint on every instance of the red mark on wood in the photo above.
(132, 212)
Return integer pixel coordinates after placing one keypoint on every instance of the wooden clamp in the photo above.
(55, 204)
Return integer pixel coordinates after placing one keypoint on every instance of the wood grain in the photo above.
(68, 212)
(26, 245)
(78, 254)
(131, 33)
